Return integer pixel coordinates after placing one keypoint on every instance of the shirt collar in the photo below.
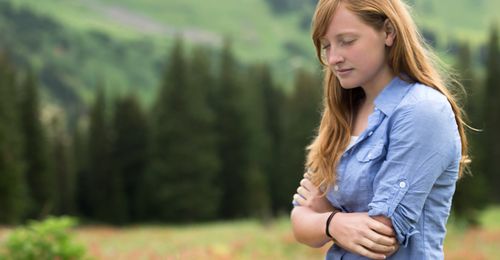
(391, 95)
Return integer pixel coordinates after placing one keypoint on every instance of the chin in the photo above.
(348, 85)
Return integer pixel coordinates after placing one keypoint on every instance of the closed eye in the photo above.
(347, 43)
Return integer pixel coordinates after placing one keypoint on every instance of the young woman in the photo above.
(391, 143)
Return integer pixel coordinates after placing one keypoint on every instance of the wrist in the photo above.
(328, 230)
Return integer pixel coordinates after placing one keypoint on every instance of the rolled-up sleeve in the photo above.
(422, 144)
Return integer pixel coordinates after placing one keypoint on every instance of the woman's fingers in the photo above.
(303, 183)
(367, 253)
(362, 234)
(303, 192)
(376, 246)
(380, 239)
(306, 183)
(381, 228)
(396, 248)
(302, 195)
(299, 199)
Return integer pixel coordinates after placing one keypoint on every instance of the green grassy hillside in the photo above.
(122, 44)
(258, 32)
(468, 20)
(71, 63)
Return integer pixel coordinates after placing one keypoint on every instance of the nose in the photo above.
(334, 57)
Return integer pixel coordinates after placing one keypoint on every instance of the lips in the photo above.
(343, 72)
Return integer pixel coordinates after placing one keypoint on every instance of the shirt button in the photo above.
(402, 184)
(336, 188)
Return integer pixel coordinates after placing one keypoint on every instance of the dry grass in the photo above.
(229, 240)
(249, 239)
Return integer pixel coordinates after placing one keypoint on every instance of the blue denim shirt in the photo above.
(403, 166)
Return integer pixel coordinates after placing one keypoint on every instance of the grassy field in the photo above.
(250, 239)
(229, 240)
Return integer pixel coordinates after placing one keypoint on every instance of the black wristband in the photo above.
(327, 231)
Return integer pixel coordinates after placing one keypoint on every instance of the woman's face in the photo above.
(355, 51)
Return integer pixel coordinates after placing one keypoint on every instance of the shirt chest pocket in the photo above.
(367, 163)
(357, 178)
(370, 153)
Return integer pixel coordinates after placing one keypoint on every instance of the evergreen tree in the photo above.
(64, 168)
(202, 82)
(183, 163)
(40, 179)
(470, 196)
(491, 141)
(99, 186)
(260, 144)
(302, 118)
(232, 137)
(130, 153)
(13, 197)
(80, 154)
(273, 104)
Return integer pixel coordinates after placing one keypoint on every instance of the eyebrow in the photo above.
(340, 35)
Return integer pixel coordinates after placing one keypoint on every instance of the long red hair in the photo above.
(409, 55)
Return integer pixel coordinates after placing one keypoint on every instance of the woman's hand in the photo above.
(387, 221)
(309, 196)
(372, 237)
(363, 235)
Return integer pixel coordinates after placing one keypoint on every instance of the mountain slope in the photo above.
(79, 44)
(71, 63)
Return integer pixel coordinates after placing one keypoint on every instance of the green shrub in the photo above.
(40, 240)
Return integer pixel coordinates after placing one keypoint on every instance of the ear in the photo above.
(390, 33)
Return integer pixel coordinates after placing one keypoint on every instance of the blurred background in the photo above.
(177, 129)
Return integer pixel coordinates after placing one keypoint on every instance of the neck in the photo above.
(373, 88)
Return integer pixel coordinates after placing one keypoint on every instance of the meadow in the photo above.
(250, 239)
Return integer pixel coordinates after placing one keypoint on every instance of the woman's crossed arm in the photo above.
(359, 233)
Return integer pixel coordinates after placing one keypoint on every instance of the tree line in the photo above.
(213, 145)
(222, 140)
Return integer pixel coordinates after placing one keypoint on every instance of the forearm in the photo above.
(309, 222)
(309, 226)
